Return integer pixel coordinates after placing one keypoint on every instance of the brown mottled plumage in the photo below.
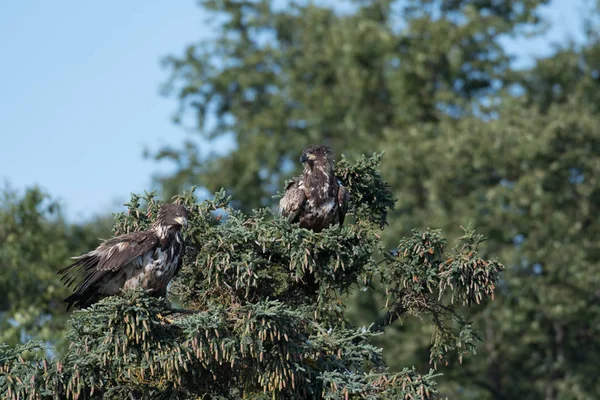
(147, 259)
(316, 199)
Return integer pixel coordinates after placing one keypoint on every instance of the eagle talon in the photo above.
(163, 319)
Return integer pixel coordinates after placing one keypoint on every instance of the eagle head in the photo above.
(172, 216)
(316, 153)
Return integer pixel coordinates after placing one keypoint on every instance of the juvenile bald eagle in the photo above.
(147, 259)
(316, 199)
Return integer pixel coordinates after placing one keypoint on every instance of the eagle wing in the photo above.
(343, 199)
(293, 200)
(109, 257)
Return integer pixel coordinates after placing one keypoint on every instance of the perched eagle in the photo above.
(316, 199)
(147, 259)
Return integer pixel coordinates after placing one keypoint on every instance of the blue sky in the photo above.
(79, 92)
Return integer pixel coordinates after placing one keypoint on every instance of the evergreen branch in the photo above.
(263, 309)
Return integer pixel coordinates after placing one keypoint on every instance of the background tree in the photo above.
(277, 78)
(34, 241)
(468, 139)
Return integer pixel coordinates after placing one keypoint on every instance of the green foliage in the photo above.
(371, 198)
(34, 241)
(122, 347)
(420, 274)
(527, 181)
(266, 317)
(278, 78)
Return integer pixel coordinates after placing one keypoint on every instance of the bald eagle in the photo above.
(316, 199)
(147, 259)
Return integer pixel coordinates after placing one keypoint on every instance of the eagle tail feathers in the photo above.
(79, 270)
(81, 300)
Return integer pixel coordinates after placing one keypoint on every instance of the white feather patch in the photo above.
(327, 207)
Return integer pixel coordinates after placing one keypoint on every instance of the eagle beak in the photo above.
(182, 221)
(307, 157)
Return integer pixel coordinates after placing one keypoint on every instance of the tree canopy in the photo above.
(268, 320)
(277, 78)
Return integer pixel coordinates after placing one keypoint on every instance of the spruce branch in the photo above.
(262, 312)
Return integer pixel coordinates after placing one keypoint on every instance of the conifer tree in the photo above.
(268, 319)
